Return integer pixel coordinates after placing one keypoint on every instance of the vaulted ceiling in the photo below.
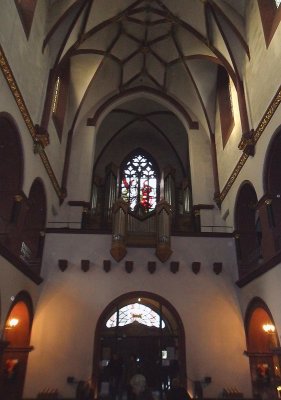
(164, 48)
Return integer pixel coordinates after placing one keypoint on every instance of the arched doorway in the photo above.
(263, 349)
(16, 336)
(146, 333)
(248, 230)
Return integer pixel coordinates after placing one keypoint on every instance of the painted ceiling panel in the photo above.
(192, 15)
(165, 49)
(132, 67)
(101, 12)
(124, 47)
(159, 45)
(102, 39)
(156, 69)
(191, 45)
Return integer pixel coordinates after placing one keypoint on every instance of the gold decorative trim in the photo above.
(257, 134)
(8, 74)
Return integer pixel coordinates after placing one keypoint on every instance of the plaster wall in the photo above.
(254, 167)
(29, 64)
(72, 301)
(12, 282)
(32, 164)
(202, 178)
(259, 88)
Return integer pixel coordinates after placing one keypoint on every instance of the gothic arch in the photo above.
(156, 303)
(262, 338)
(11, 168)
(34, 224)
(247, 227)
(16, 336)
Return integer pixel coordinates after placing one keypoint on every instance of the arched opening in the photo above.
(11, 177)
(16, 336)
(263, 349)
(34, 225)
(272, 178)
(139, 182)
(145, 334)
(248, 230)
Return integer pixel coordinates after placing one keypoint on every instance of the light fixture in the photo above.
(12, 323)
(268, 328)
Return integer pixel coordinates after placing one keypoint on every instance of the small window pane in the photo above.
(135, 312)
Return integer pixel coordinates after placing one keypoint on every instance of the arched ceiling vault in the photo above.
(169, 46)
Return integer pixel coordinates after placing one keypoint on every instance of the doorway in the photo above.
(14, 356)
(263, 349)
(145, 334)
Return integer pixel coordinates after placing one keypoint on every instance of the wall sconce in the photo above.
(12, 323)
(269, 328)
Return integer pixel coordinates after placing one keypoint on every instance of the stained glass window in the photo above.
(139, 183)
(135, 312)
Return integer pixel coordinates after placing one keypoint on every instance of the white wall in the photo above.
(72, 301)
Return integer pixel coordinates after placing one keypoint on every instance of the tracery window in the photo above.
(139, 182)
(135, 312)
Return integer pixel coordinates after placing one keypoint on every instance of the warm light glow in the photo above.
(278, 388)
(268, 328)
(12, 322)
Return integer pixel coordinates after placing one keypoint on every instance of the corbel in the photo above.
(247, 143)
(217, 268)
(195, 266)
(151, 266)
(106, 265)
(174, 266)
(129, 266)
(63, 264)
(85, 265)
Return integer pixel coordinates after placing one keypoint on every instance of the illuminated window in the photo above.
(139, 183)
(277, 3)
(135, 312)
(56, 95)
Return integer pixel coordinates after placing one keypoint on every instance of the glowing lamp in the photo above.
(268, 328)
(13, 322)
